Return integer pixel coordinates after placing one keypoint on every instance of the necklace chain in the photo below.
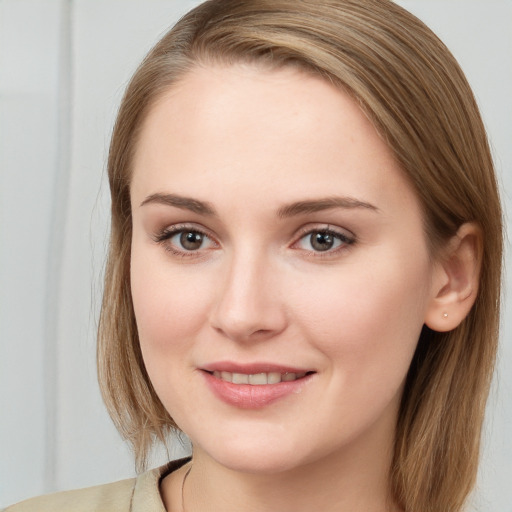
(183, 488)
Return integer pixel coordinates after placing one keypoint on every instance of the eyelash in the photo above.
(168, 233)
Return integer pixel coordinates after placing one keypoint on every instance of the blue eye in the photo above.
(323, 240)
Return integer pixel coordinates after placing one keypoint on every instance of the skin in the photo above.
(249, 141)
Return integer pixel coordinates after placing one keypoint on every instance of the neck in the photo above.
(314, 488)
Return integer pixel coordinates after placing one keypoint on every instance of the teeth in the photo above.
(240, 378)
(274, 377)
(258, 379)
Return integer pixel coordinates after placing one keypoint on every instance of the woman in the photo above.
(304, 267)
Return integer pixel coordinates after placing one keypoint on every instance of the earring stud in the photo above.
(445, 315)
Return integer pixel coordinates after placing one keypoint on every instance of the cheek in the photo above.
(170, 307)
(367, 317)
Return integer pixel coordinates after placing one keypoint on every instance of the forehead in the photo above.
(273, 133)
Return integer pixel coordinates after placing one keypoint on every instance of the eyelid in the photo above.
(181, 226)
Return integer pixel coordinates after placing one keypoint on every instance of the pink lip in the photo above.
(247, 396)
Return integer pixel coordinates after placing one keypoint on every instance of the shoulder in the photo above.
(141, 494)
(115, 497)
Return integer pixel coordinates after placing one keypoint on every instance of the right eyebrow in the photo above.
(185, 203)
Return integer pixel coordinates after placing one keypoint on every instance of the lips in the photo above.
(254, 386)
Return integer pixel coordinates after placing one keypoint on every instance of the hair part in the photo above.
(414, 92)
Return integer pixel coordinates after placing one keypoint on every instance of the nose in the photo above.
(249, 305)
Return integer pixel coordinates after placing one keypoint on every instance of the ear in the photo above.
(455, 280)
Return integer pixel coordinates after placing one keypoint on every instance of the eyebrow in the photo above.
(327, 203)
(185, 203)
(289, 210)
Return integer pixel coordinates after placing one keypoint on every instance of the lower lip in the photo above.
(247, 396)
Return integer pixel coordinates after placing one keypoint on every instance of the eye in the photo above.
(184, 241)
(189, 240)
(324, 240)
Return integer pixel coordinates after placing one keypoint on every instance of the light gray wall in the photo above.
(63, 66)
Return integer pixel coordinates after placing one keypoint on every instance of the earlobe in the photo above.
(455, 280)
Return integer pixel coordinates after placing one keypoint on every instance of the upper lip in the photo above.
(252, 368)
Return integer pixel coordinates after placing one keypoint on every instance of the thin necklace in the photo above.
(183, 487)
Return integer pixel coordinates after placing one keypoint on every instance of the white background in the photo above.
(63, 67)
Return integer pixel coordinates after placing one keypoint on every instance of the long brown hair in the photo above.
(412, 89)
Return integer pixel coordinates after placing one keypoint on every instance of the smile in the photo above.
(255, 386)
(258, 379)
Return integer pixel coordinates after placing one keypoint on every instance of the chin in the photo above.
(262, 462)
(263, 455)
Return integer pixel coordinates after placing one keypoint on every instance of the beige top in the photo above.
(140, 494)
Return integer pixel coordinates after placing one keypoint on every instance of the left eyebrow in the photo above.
(327, 203)
(185, 203)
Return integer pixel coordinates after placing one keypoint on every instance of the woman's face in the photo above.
(279, 268)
